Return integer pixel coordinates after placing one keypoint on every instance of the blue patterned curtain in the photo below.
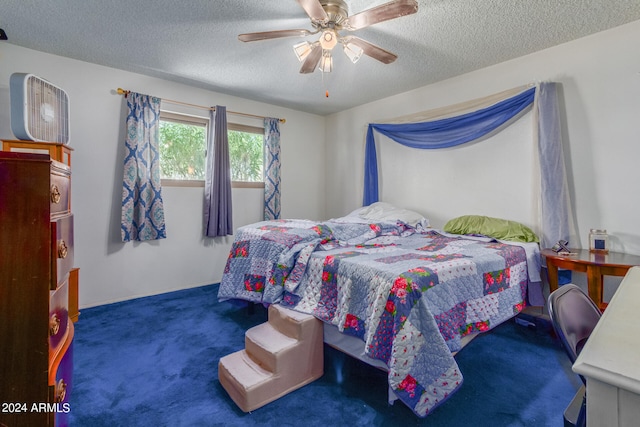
(217, 212)
(271, 168)
(142, 207)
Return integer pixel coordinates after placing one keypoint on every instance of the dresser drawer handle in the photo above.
(55, 194)
(54, 324)
(62, 249)
(61, 391)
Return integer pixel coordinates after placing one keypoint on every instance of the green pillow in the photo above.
(497, 228)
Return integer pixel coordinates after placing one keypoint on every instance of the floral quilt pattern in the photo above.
(410, 296)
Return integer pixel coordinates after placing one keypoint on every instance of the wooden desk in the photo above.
(595, 264)
(609, 360)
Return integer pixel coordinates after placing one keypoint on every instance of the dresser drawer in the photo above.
(61, 249)
(63, 386)
(60, 189)
(61, 381)
(58, 317)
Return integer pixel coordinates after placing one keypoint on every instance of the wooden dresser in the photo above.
(38, 287)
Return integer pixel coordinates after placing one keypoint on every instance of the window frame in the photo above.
(188, 119)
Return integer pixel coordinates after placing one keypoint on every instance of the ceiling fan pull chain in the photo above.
(326, 91)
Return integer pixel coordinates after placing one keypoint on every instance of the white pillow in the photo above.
(382, 211)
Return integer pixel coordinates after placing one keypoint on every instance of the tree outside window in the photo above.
(183, 147)
(246, 156)
(182, 150)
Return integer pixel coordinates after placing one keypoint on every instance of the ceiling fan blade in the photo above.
(266, 35)
(384, 12)
(312, 60)
(314, 9)
(369, 49)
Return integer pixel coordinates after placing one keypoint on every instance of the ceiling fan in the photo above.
(329, 18)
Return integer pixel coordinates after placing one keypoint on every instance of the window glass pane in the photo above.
(246, 156)
(182, 150)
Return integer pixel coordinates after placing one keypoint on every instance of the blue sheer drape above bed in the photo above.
(555, 218)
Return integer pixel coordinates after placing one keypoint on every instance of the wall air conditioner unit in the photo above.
(39, 109)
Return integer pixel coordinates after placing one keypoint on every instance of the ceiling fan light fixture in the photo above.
(328, 39)
(353, 51)
(326, 62)
(302, 50)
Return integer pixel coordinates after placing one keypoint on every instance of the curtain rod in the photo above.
(126, 92)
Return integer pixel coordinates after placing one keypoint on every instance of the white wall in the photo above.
(111, 270)
(600, 102)
(600, 97)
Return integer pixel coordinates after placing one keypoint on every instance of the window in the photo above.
(246, 152)
(183, 141)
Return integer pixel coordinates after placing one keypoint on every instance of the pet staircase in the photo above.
(280, 356)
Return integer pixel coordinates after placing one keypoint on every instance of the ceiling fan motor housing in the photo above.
(337, 10)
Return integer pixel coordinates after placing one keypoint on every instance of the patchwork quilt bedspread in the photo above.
(410, 295)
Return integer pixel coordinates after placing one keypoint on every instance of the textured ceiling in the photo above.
(195, 42)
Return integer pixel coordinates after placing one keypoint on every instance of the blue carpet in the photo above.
(154, 362)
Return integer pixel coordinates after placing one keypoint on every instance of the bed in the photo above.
(409, 295)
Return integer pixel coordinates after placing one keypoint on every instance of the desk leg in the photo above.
(594, 280)
(552, 275)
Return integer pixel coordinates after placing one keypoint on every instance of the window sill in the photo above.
(200, 183)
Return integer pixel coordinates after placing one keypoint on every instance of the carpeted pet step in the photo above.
(267, 346)
(244, 370)
(291, 323)
(281, 355)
